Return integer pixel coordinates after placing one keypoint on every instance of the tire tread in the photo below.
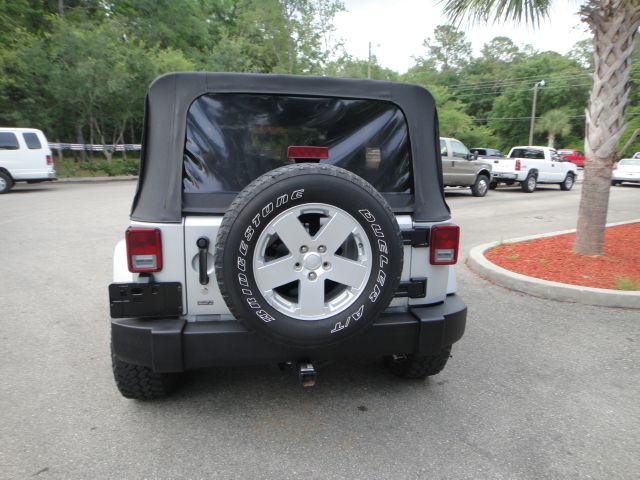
(420, 366)
(141, 383)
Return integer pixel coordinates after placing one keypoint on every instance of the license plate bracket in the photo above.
(162, 299)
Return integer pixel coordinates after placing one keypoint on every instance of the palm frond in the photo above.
(485, 11)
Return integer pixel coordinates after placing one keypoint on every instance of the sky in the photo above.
(397, 29)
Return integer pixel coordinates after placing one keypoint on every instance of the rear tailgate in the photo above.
(504, 165)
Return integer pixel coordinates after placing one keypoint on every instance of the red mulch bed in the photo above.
(553, 259)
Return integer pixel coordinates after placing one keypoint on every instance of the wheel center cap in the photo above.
(312, 261)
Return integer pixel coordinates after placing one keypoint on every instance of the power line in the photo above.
(487, 119)
(464, 95)
(489, 85)
(515, 80)
(461, 86)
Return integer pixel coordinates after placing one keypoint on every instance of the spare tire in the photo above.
(308, 255)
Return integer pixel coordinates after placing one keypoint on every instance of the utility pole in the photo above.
(369, 63)
(533, 108)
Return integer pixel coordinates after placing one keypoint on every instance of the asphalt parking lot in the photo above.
(535, 389)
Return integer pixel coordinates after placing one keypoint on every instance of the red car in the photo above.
(574, 156)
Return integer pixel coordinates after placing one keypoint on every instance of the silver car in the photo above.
(626, 170)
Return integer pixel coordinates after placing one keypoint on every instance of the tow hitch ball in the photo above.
(307, 374)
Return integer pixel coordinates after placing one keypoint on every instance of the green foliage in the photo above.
(79, 69)
(566, 86)
(554, 122)
(448, 50)
(483, 11)
(69, 167)
(625, 283)
(80, 72)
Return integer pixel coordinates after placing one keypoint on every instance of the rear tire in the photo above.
(529, 185)
(481, 187)
(142, 383)
(615, 183)
(568, 182)
(493, 185)
(6, 183)
(419, 366)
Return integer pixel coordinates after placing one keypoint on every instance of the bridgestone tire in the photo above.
(142, 383)
(6, 183)
(481, 187)
(419, 366)
(568, 182)
(280, 202)
(529, 185)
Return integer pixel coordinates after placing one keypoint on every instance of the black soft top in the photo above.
(159, 195)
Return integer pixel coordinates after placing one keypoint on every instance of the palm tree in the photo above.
(554, 122)
(614, 24)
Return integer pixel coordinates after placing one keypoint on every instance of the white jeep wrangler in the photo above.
(284, 219)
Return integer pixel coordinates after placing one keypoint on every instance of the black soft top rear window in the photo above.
(231, 139)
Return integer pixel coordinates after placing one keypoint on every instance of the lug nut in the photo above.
(304, 249)
(322, 249)
(297, 265)
(312, 275)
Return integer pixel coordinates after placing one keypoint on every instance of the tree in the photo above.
(484, 78)
(448, 50)
(566, 87)
(554, 122)
(582, 52)
(501, 49)
(614, 24)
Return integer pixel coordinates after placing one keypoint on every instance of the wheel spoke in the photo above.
(311, 298)
(292, 232)
(335, 232)
(347, 272)
(276, 273)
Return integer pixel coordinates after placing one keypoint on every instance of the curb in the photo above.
(546, 289)
(118, 178)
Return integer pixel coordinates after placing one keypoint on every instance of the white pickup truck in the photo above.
(532, 165)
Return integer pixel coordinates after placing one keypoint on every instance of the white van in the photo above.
(25, 156)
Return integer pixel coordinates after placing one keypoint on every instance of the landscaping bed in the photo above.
(553, 259)
(98, 167)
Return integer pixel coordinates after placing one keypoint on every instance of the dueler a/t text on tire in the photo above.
(308, 255)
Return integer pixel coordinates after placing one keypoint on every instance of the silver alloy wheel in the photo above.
(531, 182)
(568, 181)
(3, 184)
(326, 265)
(483, 186)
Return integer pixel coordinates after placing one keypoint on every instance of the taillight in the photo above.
(49, 160)
(518, 165)
(144, 250)
(444, 244)
(615, 167)
(306, 152)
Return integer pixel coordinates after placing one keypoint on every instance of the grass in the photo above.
(625, 283)
(98, 167)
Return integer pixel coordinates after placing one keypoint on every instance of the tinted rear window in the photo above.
(8, 141)
(527, 153)
(231, 139)
(32, 141)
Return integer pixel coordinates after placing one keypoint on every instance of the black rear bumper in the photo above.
(175, 345)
